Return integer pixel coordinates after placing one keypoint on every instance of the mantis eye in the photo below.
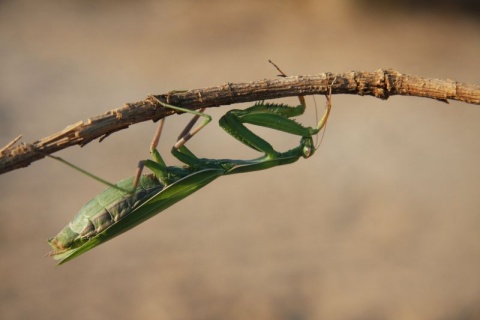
(307, 151)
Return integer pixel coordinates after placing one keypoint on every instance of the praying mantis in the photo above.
(134, 200)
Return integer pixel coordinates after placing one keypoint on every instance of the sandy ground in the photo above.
(382, 223)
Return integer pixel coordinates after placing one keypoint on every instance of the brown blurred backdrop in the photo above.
(382, 223)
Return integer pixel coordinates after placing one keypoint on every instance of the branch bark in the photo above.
(381, 84)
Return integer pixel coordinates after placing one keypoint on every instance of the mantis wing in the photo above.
(162, 200)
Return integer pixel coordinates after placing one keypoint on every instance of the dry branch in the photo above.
(381, 84)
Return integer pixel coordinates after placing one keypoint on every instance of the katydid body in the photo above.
(117, 210)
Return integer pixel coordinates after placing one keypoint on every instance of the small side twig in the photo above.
(10, 144)
(382, 84)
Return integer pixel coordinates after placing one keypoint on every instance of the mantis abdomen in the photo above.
(107, 208)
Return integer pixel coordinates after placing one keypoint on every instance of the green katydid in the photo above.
(136, 199)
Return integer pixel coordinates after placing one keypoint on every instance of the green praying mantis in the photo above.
(134, 200)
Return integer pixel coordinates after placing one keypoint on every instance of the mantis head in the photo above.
(308, 148)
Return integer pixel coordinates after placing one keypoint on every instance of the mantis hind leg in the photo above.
(157, 165)
(89, 174)
(187, 133)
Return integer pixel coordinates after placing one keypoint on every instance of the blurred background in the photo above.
(382, 223)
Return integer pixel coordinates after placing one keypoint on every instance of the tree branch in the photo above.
(381, 84)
